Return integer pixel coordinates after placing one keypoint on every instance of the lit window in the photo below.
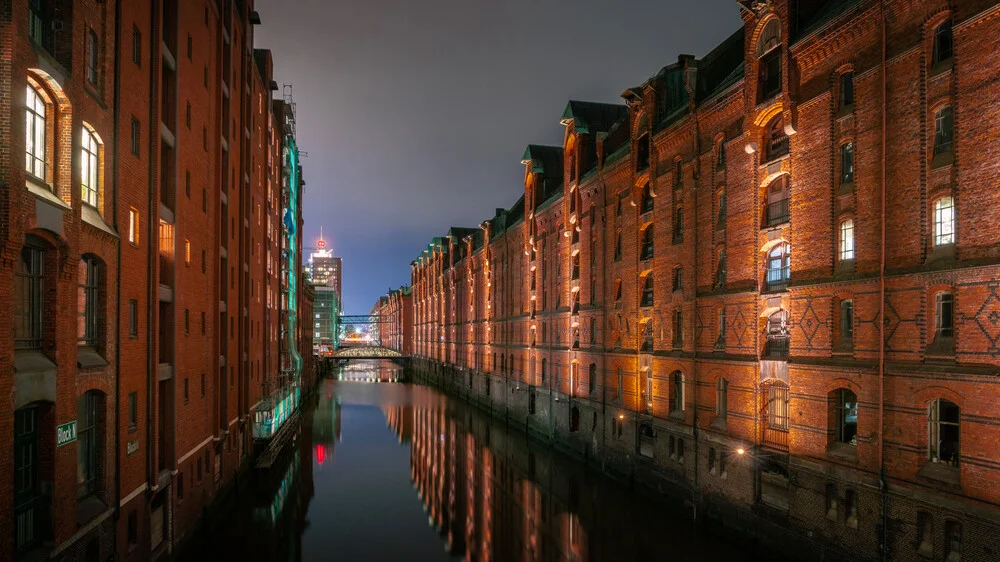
(90, 169)
(133, 226)
(187, 252)
(35, 134)
(779, 267)
(847, 240)
(944, 221)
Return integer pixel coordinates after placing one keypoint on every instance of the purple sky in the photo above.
(415, 113)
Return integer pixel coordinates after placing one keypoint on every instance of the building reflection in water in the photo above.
(494, 496)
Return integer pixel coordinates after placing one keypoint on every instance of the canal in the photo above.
(385, 470)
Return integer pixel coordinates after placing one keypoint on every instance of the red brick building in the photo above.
(639, 303)
(394, 311)
(142, 269)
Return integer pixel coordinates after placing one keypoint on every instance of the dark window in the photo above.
(678, 175)
(203, 385)
(618, 247)
(28, 507)
(678, 392)
(720, 338)
(187, 183)
(133, 527)
(720, 270)
(90, 443)
(133, 411)
(846, 403)
(942, 130)
(136, 45)
(88, 304)
(846, 323)
(847, 163)
(647, 292)
(592, 380)
(187, 321)
(944, 315)
(133, 318)
(943, 432)
(647, 199)
(846, 89)
(642, 153)
(720, 154)
(647, 244)
(206, 77)
(678, 283)
(204, 200)
(185, 390)
(678, 340)
(678, 226)
(769, 81)
(953, 540)
(722, 210)
(29, 299)
(776, 140)
(943, 42)
(136, 132)
(190, 46)
(721, 397)
(92, 57)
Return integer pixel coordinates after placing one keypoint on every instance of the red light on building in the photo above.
(321, 243)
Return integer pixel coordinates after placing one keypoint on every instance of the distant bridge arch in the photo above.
(367, 352)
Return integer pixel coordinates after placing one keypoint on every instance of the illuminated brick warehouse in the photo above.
(640, 307)
(149, 218)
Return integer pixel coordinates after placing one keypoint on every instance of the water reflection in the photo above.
(400, 472)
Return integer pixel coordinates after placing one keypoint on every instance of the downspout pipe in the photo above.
(118, 281)
(881, 281)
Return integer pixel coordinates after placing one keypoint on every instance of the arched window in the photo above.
(647, 199)
(592, 378)
(35, 134)
(779, 267)
(943, 42)
(943, 432)
(942, 130)
(847, 240)
(90, 447)
(944, 221)
(647, 244)
(769, 61)
(777, 336)
(778, 201)
(721, 398)
(845, 416)
(677, 392)
(647, 292)
(88, 301)
(90, 170)
(776, 141)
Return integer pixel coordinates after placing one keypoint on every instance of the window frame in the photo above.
(29, 293)
(944, 129)
(934, 432)
(846, 251)
(90, 445)
(944, 43)
(90, 163)
(721, 398)
(843, 411)
(88, 302)
(846, 82)
(944, 221)
(847, 163)
(92, 58)
(36, 133)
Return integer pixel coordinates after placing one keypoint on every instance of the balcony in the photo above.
(777, 279)
(778, 212)
(775, 438)
(776, 348)
(777, 147)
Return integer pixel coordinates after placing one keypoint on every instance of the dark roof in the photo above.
(811, 15)
(547, 161)
(722, 66)
(592, 117)
(516, 212)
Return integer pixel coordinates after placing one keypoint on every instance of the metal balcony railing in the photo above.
(776, 347)
(778, 212)
(777, 147)
(777, 279)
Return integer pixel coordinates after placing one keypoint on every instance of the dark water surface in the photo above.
(383, 470)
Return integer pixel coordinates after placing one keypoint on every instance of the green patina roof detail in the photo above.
(829, 10)
(592, 117)
(722, 66)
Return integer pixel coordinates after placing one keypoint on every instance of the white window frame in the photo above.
(944, 221)
(90, 171)
(847, 240)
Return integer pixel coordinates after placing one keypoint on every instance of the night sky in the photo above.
(415, 113)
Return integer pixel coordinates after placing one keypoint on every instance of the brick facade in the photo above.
(639, 304)
(145, 298)
(394, 312)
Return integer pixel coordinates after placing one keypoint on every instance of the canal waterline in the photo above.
(387, 470)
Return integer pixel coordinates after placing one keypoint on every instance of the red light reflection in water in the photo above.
(320, 454)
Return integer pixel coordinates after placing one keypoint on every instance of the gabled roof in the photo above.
(547, 161)
(592, 117)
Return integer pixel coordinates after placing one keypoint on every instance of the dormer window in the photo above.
(769, 61)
